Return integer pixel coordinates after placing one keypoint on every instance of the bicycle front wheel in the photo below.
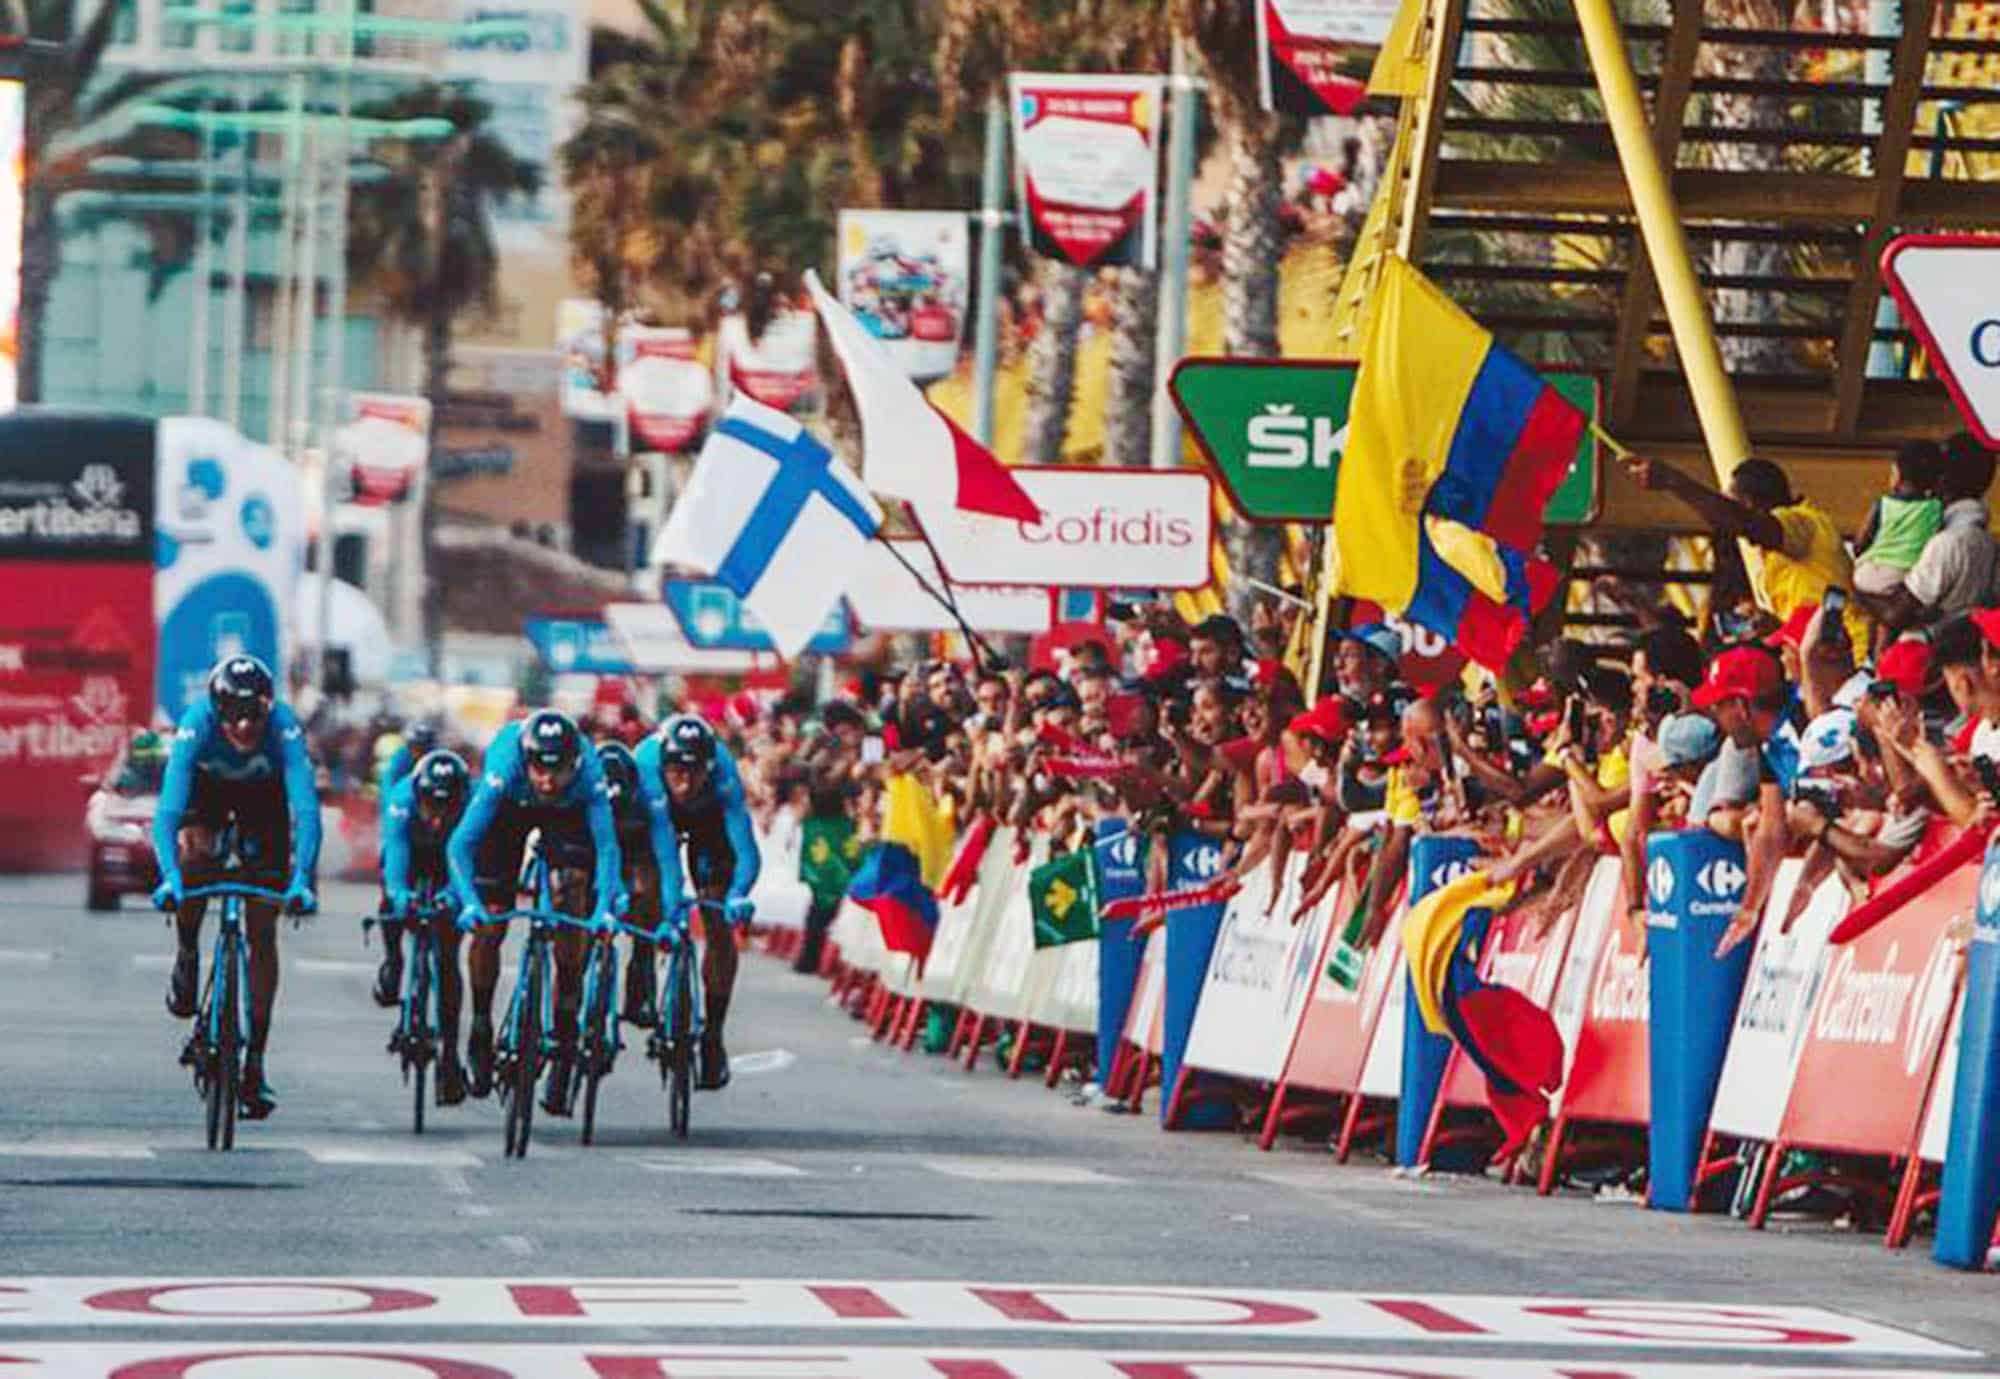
(680, 1043)
(417, 1038)
(224, 1083)
(595, 1060)
(527, 1063)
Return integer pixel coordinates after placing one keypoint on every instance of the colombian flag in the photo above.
(1510, 1038)
(898, 879)
(1454, 448)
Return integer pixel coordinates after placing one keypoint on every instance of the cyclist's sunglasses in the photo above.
(236, 715)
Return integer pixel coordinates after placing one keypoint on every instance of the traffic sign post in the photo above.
(1948, 288)
(1272, 432)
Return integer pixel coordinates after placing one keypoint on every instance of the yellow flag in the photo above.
(1399, 68)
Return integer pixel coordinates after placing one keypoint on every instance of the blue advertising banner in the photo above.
(1694, 883)
(1436, 860)
(1969, 1199)
(714, 619)
(1118, 954)
(1192, 861)
(582, 646)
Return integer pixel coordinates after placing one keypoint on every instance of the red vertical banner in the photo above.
(76, 619)
(1086, 166)
(1314, 56)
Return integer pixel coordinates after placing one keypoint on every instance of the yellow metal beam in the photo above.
(1666, 241)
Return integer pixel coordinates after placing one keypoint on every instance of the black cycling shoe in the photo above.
(714, 1064)
(389, 978)
(182, 984)
(450, 1081)
(256, 1099)
(479, 1052)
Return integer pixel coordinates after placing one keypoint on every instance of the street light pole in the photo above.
(204, 278)
(235, 324)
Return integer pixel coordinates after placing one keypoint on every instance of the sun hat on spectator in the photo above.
(1379, 638)
(1827, 741)
(1906, 665)
(1740, 673)
(1687, 739)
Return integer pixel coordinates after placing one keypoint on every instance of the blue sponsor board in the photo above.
(714, 619)
(582, 646)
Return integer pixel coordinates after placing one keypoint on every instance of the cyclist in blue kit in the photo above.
(418, 817)
(417, 744)
(694, 795)
(538, 775)
(237, 769)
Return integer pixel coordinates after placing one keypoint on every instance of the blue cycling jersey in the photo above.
(669, 822)
(407, 835)
(503, 781)
(199, 748)
(398, 767)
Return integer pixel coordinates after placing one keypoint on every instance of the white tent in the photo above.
(358, 626)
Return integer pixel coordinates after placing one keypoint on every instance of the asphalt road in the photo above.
(830, 1160)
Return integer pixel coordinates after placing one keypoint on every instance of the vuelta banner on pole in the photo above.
(668, 391)
(1086, 166)
(903, 275)
(1313, 56)
(76, 623)
(384, 446)
(778, 368)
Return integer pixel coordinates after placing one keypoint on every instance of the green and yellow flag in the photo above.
(828, 850)
(1063, 895)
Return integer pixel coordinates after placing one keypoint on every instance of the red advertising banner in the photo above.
(666, 388)
(76, 629)
(1086, 166)
(1314, 55)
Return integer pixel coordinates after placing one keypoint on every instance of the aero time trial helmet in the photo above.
(443, 779)
(550, 740)
(241, 687)
(686, 741)
(621, 772)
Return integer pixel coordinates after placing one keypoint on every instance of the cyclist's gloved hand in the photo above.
(399, 903)
(740, 910)
(169, 894)
(470, 918)
(299, 897)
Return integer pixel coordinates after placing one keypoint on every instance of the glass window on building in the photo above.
(237, 38)
(293, 41)
(125, 25)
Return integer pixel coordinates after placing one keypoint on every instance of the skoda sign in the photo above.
(1272, 431)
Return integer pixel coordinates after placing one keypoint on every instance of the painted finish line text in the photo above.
(101, 1304)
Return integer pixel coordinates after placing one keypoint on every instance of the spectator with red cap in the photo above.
(1745, 692)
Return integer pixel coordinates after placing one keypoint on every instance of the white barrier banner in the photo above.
(965, 932)
(886, 597)
(1100, 529)
(1936, 1138)
(1778, 997)
(1254, 993)
(1000, 991)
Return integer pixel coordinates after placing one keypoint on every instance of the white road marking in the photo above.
(517, 1245)
(96, 1307)
(1330, 1179)
(381, 1153)
(24, 957)
(763, 1061)
(454, 1182)
(1019, 1171)
(152, 962)
(476, 1211)
(707, 1164)
(75, 1149)
(334, 966)
(291, 1359)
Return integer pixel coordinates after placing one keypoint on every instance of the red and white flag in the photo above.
(909, 449)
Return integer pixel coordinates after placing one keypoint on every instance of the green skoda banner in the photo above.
(1272, 431)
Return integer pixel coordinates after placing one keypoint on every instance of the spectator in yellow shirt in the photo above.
(1803, 553)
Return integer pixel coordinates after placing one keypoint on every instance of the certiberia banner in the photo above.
(1313, 56)
(903, 275)
(1086, 166)
(76, 624)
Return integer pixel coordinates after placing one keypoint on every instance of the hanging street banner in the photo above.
(383, 446)
(1086, 166)
(1948, 288)
(904, 276)
(1272, 432)
(712, 618)
(577, 645)
(667, 392)
(580, 341)
(1313, 56)
(780, 369)
(1100, 529)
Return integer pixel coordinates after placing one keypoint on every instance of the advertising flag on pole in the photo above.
(903, 276)
(777, 368)
(666, 389)
(909, 449)
(1086, 166)
(770, 513)
(1314, 56)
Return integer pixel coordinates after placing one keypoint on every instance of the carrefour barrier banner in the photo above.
(667, 391)
(1119, 954)
(1970, 1197)
(1086, 166)
(1313, 56)
(903, 275)
(76, 622)
(1694, 885)
(1193, 861)
(230, 553)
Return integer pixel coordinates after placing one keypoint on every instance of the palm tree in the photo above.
(423, 240)
(68, 110)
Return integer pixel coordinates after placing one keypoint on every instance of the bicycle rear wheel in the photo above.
(680, 1043)
(527, 1063)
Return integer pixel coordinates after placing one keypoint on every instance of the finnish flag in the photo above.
(771, 514)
